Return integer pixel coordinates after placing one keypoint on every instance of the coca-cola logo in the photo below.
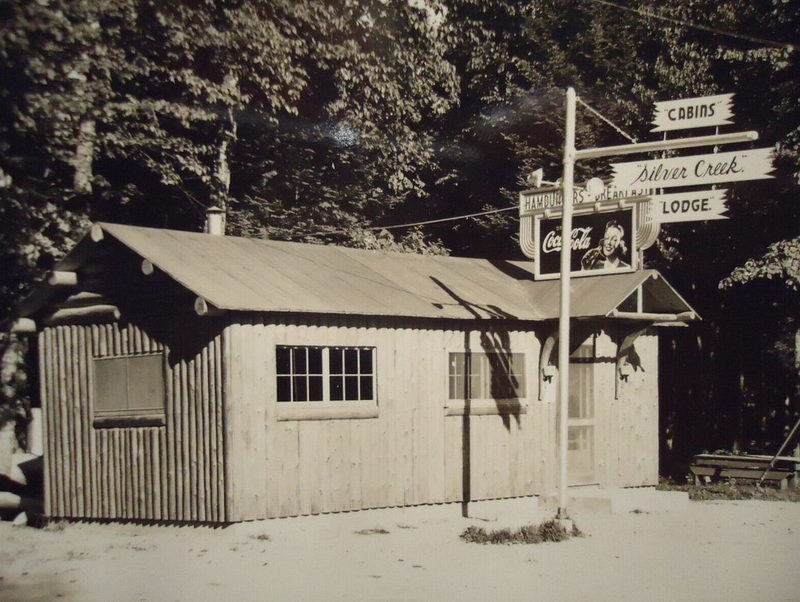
(580, 240)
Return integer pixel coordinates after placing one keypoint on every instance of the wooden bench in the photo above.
(713, 467)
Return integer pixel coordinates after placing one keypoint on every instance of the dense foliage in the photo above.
(322, 121)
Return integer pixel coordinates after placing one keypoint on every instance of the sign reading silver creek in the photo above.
(695, 169)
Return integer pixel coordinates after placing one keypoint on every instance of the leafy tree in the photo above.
(306, 119)
(780, 263)
(741, 394)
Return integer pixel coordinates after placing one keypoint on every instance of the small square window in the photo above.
(486, 376)
(129, 391)
(336, 364)
(284, 360)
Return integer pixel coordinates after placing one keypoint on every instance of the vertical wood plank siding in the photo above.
(224, 454)
(171, 472)
(627, 427)
(410, 454)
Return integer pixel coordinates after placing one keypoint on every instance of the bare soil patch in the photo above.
(717, 550)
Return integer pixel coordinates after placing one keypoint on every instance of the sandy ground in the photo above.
(688, 551)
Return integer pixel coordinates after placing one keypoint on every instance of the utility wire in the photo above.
(443, 219)
(716, 30)
(432, 221)
(608, 121)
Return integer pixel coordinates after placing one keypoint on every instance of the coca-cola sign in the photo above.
(601, 243)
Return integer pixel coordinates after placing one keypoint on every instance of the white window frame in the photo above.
(327, 408)
(480, 406)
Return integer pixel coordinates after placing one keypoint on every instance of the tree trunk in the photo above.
(797, 349)
(84, 155)
(738, 439)
(222, 173)
(794, 411)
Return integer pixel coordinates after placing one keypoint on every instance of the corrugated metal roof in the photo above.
(263, 275)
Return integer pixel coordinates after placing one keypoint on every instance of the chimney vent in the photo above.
(215, 221)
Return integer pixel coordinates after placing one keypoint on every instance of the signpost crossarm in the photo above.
(564, 307)
(659, 145)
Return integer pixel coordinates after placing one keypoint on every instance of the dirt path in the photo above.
(700, 551)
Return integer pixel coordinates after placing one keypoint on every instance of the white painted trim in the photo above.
(310, 410)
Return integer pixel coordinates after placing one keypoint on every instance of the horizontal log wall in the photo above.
(412, 453)
(172, 472)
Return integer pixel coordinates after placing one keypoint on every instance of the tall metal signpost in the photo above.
(659, 173)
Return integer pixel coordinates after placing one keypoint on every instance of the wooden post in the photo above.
(564, 309)
(204, 308)
(23, 326)
(95, 312)
(59, 278)
(147, 267)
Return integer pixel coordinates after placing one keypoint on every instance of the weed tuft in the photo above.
(55, 526)
(550, 530)
(731, 489)
(375, 531)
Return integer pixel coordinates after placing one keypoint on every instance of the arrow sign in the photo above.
(695, 169)
(689, 206)
(697, 112)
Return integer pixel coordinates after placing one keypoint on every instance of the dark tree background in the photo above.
(322, 121)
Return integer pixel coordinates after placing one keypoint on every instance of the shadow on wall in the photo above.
(496, 345)
(184, 335)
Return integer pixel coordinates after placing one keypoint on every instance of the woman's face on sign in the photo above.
(611, 241)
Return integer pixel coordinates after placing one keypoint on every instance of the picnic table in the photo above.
(713, 467)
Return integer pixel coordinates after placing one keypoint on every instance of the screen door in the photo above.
(580, 417)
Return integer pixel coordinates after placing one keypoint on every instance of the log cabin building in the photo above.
(208, 378)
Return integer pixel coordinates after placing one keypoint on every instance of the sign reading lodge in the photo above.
(689, 206)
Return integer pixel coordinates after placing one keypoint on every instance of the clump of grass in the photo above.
(670, 484)
(731, 489)
(261, 537)
(720, 491)
(375, 531)
(55, 526)
(550, 530)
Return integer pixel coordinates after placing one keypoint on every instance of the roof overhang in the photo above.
(642, 295)
(236, 274)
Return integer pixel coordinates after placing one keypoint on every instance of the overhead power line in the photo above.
(606, 120)
(443, 219)
(431, 221)
(715, 30)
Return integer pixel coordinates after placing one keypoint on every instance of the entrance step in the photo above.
(617, 501)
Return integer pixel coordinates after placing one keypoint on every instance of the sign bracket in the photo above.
(671, 144)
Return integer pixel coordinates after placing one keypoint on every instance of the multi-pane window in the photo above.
(486, 375)
(325, 373)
